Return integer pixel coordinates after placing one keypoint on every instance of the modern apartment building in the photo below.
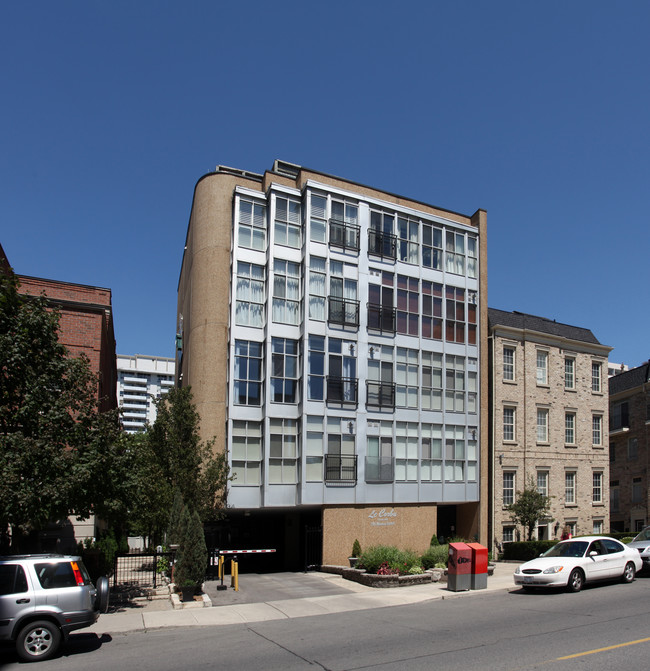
(629, 448)
(140, 380)
(334, 335)
(549, 422)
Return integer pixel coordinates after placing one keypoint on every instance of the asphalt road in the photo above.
(601, 628)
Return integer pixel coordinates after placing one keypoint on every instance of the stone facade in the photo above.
(549, 402)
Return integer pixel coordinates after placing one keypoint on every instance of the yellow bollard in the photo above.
(234, 574)
(220, 568)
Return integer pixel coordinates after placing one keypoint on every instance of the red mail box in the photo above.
(479, 558)
(460, 559)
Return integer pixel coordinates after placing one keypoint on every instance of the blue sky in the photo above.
(537, 112)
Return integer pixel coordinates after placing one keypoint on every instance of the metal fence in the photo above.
(141, 569)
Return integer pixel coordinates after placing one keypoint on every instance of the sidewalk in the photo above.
(351, 596)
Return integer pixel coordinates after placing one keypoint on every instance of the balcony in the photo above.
(343, 311)
(341, 469)
(381, 319)
(345, 236)
(382, 244)
(343, 390)
(380, 469)
(380, 395)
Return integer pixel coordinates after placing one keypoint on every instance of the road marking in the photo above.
(610, 647)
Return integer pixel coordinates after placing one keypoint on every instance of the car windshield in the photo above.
(567, 549)
(644, 535)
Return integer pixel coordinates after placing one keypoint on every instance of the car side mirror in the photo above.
(593, 553)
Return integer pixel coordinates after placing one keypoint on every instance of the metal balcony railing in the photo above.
(343, 390)
(382, 244)
(343, 235)
(380, 395)
(341, 468)
(381, 318)
(344, 311)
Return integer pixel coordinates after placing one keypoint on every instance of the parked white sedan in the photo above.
(574, 562)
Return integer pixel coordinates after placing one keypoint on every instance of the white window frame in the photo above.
(570, 478)
(508, 488)
(542, 425)
(597, 488)
(597, 430)
(283, 466)
(569, 372)
(542, 367)
(509, 369)
(509, 426)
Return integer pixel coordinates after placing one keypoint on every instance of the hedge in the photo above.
(525, 550)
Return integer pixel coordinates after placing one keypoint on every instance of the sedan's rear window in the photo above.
(60, 574)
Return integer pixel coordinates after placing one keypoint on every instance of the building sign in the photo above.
(382, 518)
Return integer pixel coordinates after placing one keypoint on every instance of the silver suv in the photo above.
(45, 597)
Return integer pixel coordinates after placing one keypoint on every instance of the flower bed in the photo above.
(374, 580)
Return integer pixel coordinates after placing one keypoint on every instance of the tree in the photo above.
(51, 432)
(193, 554)
(530, 507)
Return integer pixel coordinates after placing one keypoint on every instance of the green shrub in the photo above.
(434, 540)
(435, 556)
(525, 550)
(192, 553)
(398, 561)
(356, 549)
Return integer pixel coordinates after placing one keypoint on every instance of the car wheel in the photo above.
(38, 641)
(101, 600)
(628, 572)
(576, 580)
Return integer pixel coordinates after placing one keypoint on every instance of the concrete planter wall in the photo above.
(373, 580)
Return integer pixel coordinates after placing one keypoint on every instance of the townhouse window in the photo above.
(455, 253)
(318, 218)
(431, 463)
(542, 425)
(472, 256)
(570, 428)
(455, 314)
(287, 222)
(596, 369)
(286, 292)
(246, 453)
(454, 453)
(283, 451)
(251, 228)
(569, 373)
(620, 416)
(316, 368)
(431, 247)
(508, 424)
(284, 370)
(249, 308)
(597, 430)
(508, 534)
(340, 460)
(572, 527)
(408, 240)
(343, 303)
(381, 313)
(455, 383)
(406, 451)
(542, 482)
(614, 497)
(508, 488)
(380, 385)
(508, 363)
(431, 391)
(314, 449)
(598, 527)
(406, 378)
(570, 488)
(637, 490)
(380, 463)
(317, 288)
(381, 239)
(431, 310)
(632, 448)
(597, 495)
(542, 367)
(248, 373)
(408, 312)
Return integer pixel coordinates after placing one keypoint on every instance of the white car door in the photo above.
(616, 557)
(598, 563)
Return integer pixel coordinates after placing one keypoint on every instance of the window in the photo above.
(380, 466)
(620, 416)
(595, 376)
(381, 313)
(408, 240)
(570, 428)
(598, 527)
(455, 253)
(248, 373)
(597, 429)
(317, 290)
(284, 373)
(509, 424)
(508, 488)
(283, 452)
(431, 310)
(542, 482)
(318, 225)
(598, 488)
(431, 390)
(612, 453)
(570, 488)
(252, 225)
(455, 314)
(342, 380)
(314, 449)
(472, 256)
(431, 464)
(343, 303)
(471, 318)
(246, 453)
(472, 392)
(431, 247)
(632, 448)
(287, 222)
(569, 373)
(508, 534)
(381, 240)
(380, 386)
(344, 229)
(542, 425)
(454, 453)
(455, 383)
(12, 579)
(508, 363)
(406, 378)
(614, 497)
(406, 451)
(316, 368)
(249, 309)
(542, 367)
(341, 460)
(408, 312)
(637, 490)
(286, 292)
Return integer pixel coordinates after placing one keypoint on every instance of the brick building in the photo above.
(549, 419)
(629, 448)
